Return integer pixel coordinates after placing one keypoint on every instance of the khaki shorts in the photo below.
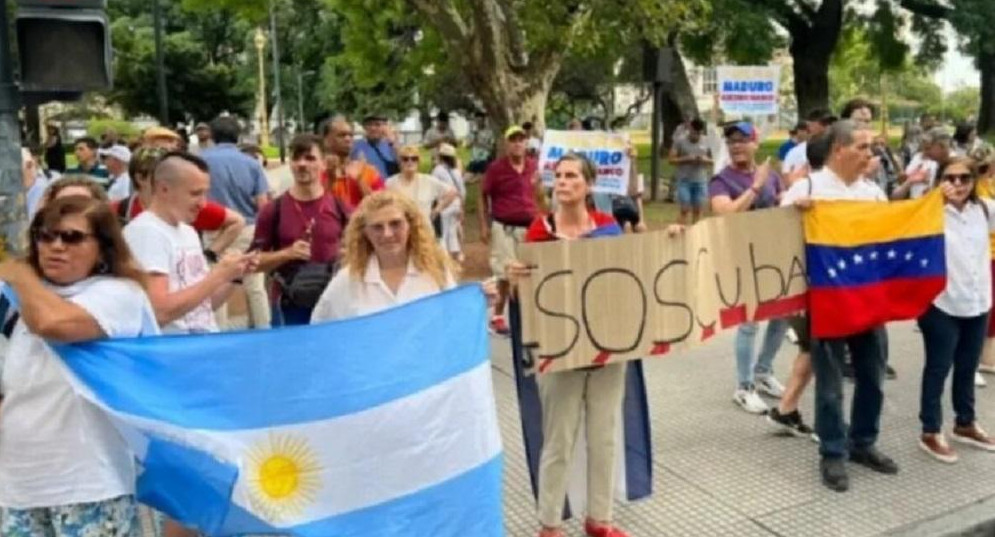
(504, 247)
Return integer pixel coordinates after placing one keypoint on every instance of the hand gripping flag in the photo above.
(382, 425)
(872, 262)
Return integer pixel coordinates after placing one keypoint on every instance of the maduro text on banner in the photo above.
(369, 426)
(607, 151)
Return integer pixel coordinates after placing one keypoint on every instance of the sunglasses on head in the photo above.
(410, 159)
(962, 178)
(67, 236)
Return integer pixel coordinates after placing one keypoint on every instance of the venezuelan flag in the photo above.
(872, 262)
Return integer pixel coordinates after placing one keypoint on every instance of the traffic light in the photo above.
(63, 45)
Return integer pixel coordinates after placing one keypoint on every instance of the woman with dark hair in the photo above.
(64, 468)
(954, 327)
(448, 171)
(596, 393)
(55, 153)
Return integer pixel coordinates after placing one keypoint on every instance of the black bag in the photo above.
(437, 221)
(393, 168)
(624, 209)
(303, 287)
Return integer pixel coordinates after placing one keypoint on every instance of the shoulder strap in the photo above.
(379, 154)
(340, 208)
(123, 211)
(275, 228)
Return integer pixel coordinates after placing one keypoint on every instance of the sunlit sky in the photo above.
(958, 70)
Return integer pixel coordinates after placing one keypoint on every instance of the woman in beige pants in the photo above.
(595, 393)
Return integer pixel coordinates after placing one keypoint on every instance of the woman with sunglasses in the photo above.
(985, 157)
(431, 195)
(214, 217)
(954, 327)
(65, 471)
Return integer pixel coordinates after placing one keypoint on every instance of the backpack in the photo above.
(303, 287)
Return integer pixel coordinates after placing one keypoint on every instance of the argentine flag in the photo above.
(382, 425)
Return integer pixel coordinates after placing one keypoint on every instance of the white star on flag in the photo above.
(908, 256)
(891, 254)
(925, 262)
(832, 273)
(873, 256)
(842, 264)
(857, 259)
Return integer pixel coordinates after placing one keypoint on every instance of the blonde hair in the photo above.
(423, 248)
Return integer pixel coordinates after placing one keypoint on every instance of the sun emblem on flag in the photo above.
(283, 477)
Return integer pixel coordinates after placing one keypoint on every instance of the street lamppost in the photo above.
(260, 41)
(300, 96)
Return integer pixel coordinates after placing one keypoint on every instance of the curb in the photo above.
(974, 520)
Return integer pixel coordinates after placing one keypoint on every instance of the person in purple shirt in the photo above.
(745, 186)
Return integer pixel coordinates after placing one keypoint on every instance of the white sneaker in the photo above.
(750, 401)
(980, 381)
(768, 385)
(792, 336)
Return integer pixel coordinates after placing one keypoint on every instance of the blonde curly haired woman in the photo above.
(391, 257)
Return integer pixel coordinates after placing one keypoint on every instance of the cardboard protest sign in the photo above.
(751, 91)
(599, 301)
(606, 150)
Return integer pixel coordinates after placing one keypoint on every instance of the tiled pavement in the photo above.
(719, 471)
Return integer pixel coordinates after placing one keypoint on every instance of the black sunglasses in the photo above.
(67, 236)
(410, 159)
(962, 178)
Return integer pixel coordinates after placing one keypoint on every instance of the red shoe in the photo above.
(499, 326)
(596, 529)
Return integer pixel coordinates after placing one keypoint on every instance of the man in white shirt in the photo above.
(182, 288)
(841, 179)
(116, 159)
(920, 174)
(796, 162)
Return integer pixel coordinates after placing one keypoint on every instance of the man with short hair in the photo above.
(346, 178)
(239, 182)
(87, 161)
(507, 208)
(795, 164)
(181, 286)
(116, 159)
(858, 110)
(441, 133)
(377, 147)
(842, 179)
(300, 231)
(693, 159)
(920, 174)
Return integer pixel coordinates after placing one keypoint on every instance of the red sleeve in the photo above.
(602, 219)
(263, 239)
(537, 231)
(211, 217)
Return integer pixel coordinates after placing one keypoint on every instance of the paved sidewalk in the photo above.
(719, 471)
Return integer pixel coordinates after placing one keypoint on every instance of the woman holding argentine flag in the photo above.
(596, 392)
(954, 327)
(65, 471)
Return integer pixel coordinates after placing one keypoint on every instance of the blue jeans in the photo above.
(950, 342)
(288, 315)
(746, 335)
(691, 193)
(865, 412)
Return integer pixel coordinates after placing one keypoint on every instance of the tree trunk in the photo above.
(678, 100)
(986, 115)
(811, 82)
(812, 46)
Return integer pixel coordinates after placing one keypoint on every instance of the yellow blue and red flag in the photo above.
(872, 262)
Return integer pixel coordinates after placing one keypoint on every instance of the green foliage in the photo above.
(738, 34)
(97, 127)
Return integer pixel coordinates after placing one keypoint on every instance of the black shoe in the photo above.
(890, 372)
(873, 459)
(792, 424)
(834, 474)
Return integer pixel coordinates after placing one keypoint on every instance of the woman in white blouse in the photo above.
(391, 257)
(954, 327)
(64, 468)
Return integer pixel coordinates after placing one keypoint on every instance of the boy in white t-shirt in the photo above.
(182, 288)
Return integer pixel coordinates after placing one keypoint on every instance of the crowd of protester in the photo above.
(155, 236)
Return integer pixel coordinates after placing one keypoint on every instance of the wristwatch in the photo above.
(211, 255)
